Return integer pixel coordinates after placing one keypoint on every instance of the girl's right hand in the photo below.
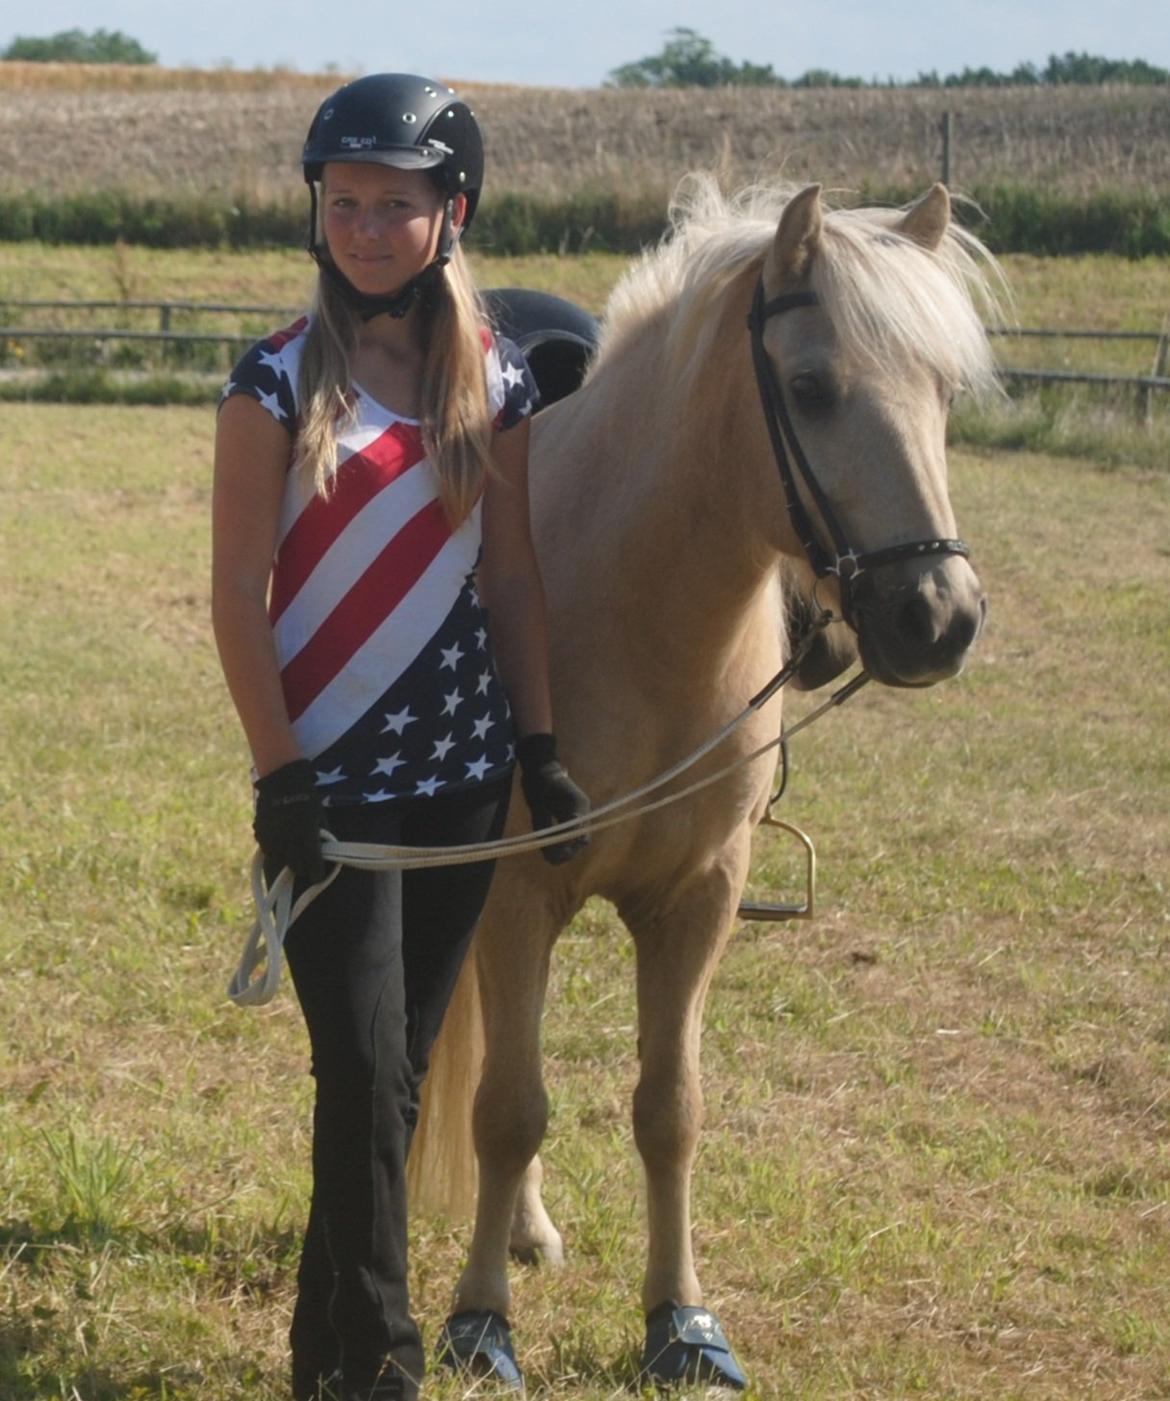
(288, 821)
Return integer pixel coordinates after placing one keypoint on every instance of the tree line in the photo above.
(688, 60)
(76, 46)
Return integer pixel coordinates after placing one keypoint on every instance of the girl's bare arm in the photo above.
(251, 459)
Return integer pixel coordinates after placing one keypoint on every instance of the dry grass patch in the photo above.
(156, 131)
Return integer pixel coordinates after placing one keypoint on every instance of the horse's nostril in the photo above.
(965, 629)
(917, 622)
(941, 632)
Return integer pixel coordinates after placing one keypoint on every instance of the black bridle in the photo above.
(845, 563)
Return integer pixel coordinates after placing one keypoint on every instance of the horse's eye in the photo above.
(812, 391)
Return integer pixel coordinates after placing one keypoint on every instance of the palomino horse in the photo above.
(660, 520)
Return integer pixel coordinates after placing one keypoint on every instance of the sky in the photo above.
(576, 44)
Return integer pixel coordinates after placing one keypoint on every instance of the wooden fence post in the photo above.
(1161, 358)
(947, 127)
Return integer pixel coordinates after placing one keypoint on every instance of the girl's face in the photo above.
(381, 224)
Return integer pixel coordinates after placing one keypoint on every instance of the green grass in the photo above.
(279, 278)
(936, 1157)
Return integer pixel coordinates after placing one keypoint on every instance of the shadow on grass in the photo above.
(49, 1273)
(29, 1243)
(578, 1360)
(30, 1370)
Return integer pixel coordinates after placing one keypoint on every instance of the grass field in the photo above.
(936, 1159)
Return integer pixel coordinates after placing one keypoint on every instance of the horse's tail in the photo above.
(441, 1172)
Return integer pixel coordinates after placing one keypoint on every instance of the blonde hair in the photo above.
(455, 417)
(887, 298)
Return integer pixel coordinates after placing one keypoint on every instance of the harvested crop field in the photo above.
(192, 131)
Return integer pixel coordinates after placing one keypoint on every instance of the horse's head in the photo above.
(864, 330)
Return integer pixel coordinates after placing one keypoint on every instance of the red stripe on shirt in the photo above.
(360, 478)
(370, 601)
(279, 339)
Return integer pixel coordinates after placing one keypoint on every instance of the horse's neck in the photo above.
(676, 508)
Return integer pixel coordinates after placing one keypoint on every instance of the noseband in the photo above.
(845, 563)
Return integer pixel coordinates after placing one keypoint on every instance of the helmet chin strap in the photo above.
(369, 304)
(395, 304)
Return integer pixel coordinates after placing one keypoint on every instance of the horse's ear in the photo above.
(796, 241)
(927, 218)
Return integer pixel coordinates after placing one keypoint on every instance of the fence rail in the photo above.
(1152, 337)
(1086, 377)
(164, 308)
(1145, 385)
(98, 333)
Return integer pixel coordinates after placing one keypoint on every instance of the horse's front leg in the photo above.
(678, 947)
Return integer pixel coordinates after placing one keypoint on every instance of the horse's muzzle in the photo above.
(918, 630)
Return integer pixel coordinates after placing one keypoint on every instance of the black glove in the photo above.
(551, 794)
(288, 820)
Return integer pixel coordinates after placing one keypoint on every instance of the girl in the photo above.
(368, 459)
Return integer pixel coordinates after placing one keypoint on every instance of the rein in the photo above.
(844, 563)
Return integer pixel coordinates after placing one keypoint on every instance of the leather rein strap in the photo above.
(845, 563)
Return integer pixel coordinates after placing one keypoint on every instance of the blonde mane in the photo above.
(889, 300)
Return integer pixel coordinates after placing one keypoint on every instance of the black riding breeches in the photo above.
(375, 959)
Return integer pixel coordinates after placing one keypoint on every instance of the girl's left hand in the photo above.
(551, 794)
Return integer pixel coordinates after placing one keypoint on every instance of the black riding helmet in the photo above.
(402, 120)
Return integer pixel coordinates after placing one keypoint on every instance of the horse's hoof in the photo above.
(479, 1342)
(536, 1255)
(686, 1344)
(549, 1252)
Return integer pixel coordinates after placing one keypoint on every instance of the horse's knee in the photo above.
(667, 1119)
(509, 1127)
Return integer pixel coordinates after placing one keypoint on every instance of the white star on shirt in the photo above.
(512, 376)
(474, 596)
(479, 768)
(399, 721)
(451, 656)
(481, 638)
(482, 726)
(227, 389)
(454, 701)
(274, 362)
(271, 403)
(442, 747)
(427, 786)
(388, 765)
(337, 775)
(481, 686)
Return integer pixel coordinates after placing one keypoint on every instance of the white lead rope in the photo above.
(275, 911)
